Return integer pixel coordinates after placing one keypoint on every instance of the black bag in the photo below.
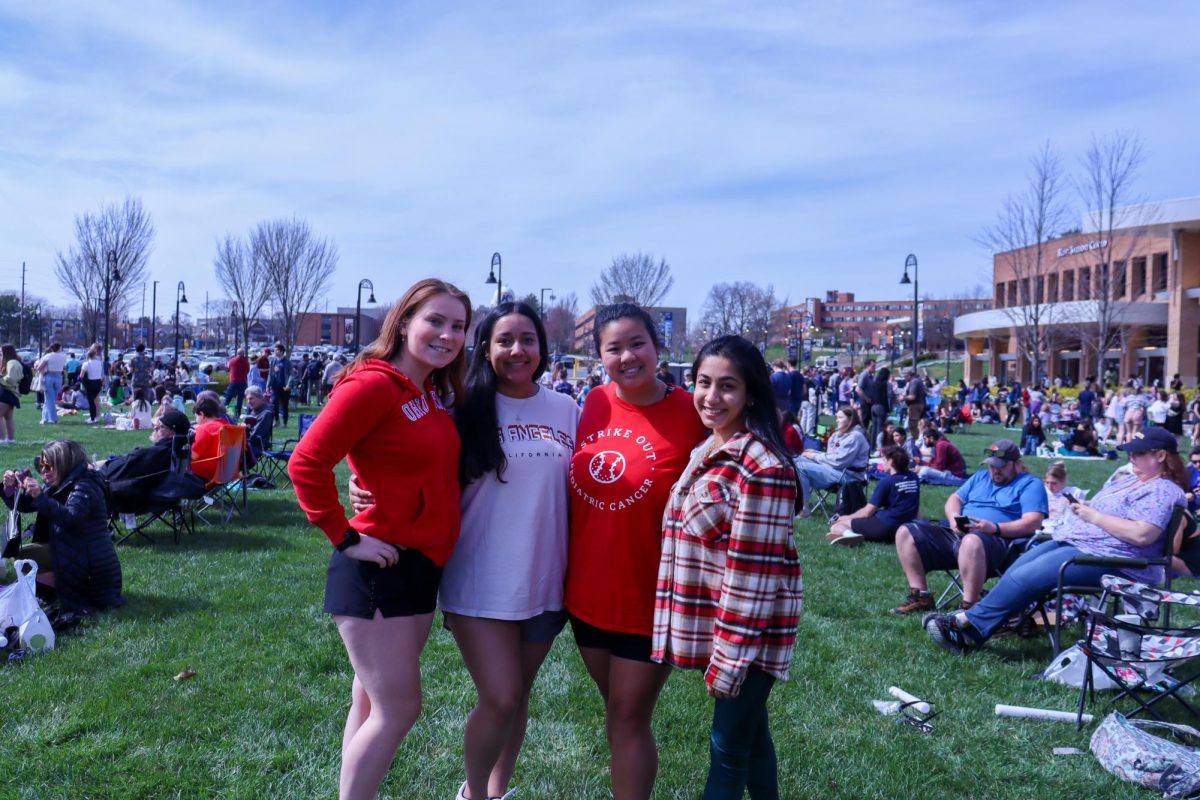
(851, 497)
(180, 486)
(23, 387)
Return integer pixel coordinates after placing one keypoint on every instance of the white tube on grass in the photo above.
(915, 702)
(1038, 713)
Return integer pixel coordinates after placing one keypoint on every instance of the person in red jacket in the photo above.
(210, 418)
(386, 416)
(239, 373)
(632, 443)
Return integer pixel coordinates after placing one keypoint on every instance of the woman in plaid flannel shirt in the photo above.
(729, 581)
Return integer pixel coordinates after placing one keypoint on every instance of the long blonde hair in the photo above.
(448, 380)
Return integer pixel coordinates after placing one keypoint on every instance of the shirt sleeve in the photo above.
(1033, 497)
(1153, 503)
(758, 545)
(349, 416)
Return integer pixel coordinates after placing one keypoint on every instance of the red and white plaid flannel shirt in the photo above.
(730, 588)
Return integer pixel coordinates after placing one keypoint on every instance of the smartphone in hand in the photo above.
(962, 523)
(1072, 499)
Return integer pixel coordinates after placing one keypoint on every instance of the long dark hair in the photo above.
(475, 414)
(612, 313)
(760, 414)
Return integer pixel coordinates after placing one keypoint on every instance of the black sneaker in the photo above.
(942, 631)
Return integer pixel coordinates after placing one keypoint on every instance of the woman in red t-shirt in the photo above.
(387, 418)
(633, 441)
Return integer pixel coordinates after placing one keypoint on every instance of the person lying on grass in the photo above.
(1002, 503)
(896, 500)
(1127, 518)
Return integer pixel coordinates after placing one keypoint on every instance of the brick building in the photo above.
(874, 324)
(337, 328)
(671, 321)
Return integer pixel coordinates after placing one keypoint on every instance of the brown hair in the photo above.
(64, 456)
(897, 456)
(447, 380)
(8, 353)
(1175, 471)
(1057, 471)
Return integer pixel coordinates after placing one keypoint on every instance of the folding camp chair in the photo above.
(954, 589)
(1137, 656)
(166, 503)
(848, 491)
(272, 464)
(221, 493)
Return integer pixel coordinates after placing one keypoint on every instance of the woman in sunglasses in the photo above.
(72, 527)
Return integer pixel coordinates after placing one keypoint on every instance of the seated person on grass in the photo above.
(71, 544)
(1080, 442)
(135, 475)
(1032, 436)
(989, 413)
(847, 449)
(946, 467)
(896, 500)
(1057, 492)
(1002, 503)
(1128, 518)
(210, 418)
(259, 421)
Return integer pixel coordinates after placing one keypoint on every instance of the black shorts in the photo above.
(938, 547)
(873, 529)
(356, 588)
(632, 646)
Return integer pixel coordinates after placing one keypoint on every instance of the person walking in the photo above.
(52, 366)
(239, 372)
(92, 372)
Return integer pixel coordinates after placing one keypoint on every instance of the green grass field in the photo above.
(102, 717)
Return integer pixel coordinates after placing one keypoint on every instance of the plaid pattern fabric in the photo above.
(730, 588)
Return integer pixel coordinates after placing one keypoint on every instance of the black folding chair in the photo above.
(168, 502)
(836, 499)
(273, 463)
(1139, 657)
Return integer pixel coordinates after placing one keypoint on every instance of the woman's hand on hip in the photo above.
(371, 549)
(360, 498)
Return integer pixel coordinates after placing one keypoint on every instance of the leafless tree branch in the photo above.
(635, 278)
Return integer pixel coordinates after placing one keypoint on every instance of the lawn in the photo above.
(102, 716)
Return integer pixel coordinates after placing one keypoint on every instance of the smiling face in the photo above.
(436, 333)
(628, 354)
(720, 397)
(513, 350)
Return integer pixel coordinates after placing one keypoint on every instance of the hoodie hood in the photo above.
(378, 367)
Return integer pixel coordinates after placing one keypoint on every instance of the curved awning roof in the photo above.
(999, 321)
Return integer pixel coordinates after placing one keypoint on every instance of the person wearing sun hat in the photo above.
(1127, 518)
(1000, 503)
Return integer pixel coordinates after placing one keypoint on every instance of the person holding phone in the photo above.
(994, 506)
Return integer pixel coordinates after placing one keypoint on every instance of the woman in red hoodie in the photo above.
(387, 417)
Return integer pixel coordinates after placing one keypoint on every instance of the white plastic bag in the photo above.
(18, 601)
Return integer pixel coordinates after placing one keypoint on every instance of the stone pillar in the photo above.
(1129, 354)
(1183, 313)
(972, 369)
(1024, 373)
(995, 365)
(1053, 365)
(1087, 364)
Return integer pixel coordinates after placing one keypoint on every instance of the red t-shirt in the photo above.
(239, 369)
(205, 447)
(626, 460)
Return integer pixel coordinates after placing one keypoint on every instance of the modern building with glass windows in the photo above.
(1136, 288)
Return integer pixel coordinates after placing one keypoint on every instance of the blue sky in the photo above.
(807, 145)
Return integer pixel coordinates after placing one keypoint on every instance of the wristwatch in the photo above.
(350, 539)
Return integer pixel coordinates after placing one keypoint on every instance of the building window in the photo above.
(1052, 288)
(1138, 284)
(1085, 283)
(1160, 272)
(1068, 285)
(1118, 282)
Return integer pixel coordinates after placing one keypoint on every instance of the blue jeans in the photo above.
(814, 475)
(1029, 578)
(939, 477)
(741, 752)
(52, 383)
(238, 391)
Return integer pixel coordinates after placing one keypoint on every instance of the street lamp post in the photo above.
(153, 315)
(111, 276)
(496, 276)
(542, 302)
(358, 308)
(180, 297)
(911, 261)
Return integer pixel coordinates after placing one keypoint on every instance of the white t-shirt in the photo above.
(93, 369)
(56, 362)
(511, 558)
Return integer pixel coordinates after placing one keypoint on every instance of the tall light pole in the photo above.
(180, 297)
(358, 308)
(111, 277)
(153, 314)
(911, 261)
(542, 302)
(496, 276)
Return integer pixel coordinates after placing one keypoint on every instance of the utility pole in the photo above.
(21, 316)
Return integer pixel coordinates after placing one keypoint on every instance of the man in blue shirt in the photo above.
(1086, 398)
(998, 505)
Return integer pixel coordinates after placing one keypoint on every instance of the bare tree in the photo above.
(126, 231)
(1105, 186)
(559, 319)
(244, 280)
(1025, 222)
(742, 308)
(298, 266)
(634, 278)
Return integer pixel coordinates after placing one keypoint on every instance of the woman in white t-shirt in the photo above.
(502, 589)
(93, 380)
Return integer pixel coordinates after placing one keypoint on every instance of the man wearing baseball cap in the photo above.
(137, 473)
(994, 506)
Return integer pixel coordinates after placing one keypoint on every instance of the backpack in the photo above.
(24, 385)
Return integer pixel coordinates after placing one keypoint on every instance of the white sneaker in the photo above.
(509, 795)
(462, 792)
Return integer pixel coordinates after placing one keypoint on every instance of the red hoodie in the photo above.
(401, 444)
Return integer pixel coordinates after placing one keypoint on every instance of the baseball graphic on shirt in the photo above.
(607, 466)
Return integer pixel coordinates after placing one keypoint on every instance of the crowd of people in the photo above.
(655, 519)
